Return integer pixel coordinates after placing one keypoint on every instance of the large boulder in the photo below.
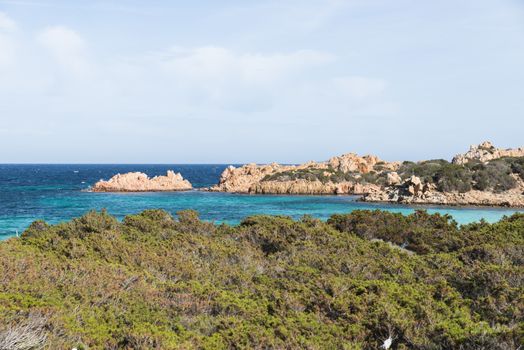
(413, 185)
(393, 178)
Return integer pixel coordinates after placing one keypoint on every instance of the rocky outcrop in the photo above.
(413, 191)
(242, 179)
(140, 182)
(253, 178)
(485, 152)
(351, 162)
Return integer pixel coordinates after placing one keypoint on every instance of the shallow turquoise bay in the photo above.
(56, 193)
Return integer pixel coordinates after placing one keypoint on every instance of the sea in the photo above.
(57, 193)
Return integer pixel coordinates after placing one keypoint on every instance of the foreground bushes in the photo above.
(156, 282)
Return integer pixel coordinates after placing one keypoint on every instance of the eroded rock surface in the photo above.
(311, 187)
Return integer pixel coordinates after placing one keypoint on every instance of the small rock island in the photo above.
(140, 182)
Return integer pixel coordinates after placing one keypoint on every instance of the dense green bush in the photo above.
(309, 174)
(158, 282)
(495, 176)
(492, 176)
(452, 177)
(425, 170)
(447, 176)
(517, 166)
(327, 175)
(421, 233)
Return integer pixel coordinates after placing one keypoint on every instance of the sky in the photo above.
(257, 81)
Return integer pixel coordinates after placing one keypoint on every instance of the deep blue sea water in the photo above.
(57, 193)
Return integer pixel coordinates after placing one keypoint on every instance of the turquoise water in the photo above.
(56, 193)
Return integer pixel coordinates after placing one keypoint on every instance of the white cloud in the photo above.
(216, 77)
(212, 62)
(67, 47)
(6, 23)
(213, 82)
(7, 43)
(359, 87)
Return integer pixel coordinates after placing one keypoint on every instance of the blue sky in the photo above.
(241, 81)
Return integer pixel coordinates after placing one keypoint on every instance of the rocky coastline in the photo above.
(140, 182)
(482, 176)
(376, 180)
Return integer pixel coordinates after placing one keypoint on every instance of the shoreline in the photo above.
(443, 205)
(358, 198)
(342, 203)
(373, 206)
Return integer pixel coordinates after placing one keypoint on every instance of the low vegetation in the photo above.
(327, 175)
(495, 176)
(310, 174)
(156, 282)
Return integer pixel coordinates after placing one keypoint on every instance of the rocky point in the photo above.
(380, 181)
(253, 178)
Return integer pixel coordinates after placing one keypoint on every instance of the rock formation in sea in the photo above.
(140, 182)
(484, 175)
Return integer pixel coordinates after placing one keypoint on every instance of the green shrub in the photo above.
(156, 282)
(309, 174)
(517, 167)
(494, 176)
(418, 232)
(452, 177)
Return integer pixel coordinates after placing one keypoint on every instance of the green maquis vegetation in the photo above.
(157, 282)
(497, 175)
